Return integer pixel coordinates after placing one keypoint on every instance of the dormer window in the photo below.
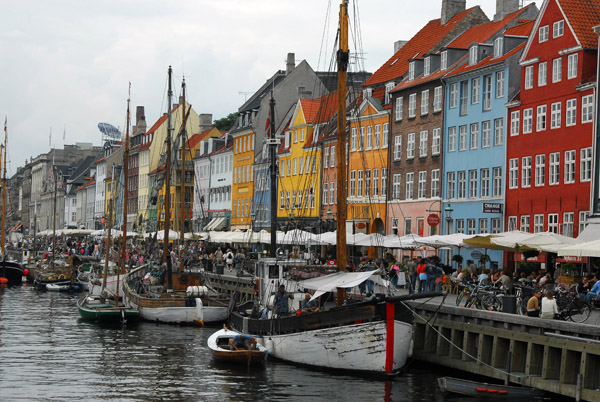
(426, 66)
(367, 92)
(498, 47)
(444, 60)
(388, 87)
(558, 28)
(411, 71)
(473, 55)
(543, 34)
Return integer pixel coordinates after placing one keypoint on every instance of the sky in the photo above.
(65, 64)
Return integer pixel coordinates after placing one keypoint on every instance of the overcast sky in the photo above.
(66, 64)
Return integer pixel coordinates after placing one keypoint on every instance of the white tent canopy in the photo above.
(328, 283)
(587, 249)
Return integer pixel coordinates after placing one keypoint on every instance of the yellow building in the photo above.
(243, 179)
(367, 170)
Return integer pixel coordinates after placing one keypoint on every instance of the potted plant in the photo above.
(458, 259)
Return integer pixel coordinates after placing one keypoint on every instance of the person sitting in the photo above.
(533, 305)
(242, 341)
(584, 286)
(593, 293)
(307, 305)
(549, 307)
(505, 281)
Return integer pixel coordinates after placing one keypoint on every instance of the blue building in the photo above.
(475, 127)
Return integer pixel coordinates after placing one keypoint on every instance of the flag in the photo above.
(268, 125)
(5, 125)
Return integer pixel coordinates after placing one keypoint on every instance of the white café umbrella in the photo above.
(587, 249)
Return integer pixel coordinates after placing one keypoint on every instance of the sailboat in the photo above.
(11, 272)
(371, 335)
(112, 308)
(162, 295)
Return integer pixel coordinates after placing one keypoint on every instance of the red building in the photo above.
(550, 133)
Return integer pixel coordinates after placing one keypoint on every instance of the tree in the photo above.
(225, 123)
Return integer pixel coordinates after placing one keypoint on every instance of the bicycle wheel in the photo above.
(563, 303)
(520, 306)
(579, 311)
(491, 303)
(460, 296)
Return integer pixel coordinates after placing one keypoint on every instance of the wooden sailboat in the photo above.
(99, 307)
(162, 295)
(373, 335)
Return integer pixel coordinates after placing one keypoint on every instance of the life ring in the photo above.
(62, 277)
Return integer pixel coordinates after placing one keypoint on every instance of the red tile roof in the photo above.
(583, 15)
(99, 160)
(523, 29)
(417, 46)
(485, 62)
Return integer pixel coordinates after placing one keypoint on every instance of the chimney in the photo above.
(140, 120)
(399, 44)
(505, 7)
(452, 7)
(205, 121)
(291, 63)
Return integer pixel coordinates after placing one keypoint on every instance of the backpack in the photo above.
(429, 269)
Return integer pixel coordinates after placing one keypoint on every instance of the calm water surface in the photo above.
(48, 354)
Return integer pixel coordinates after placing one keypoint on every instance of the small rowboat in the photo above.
(94, 308)
(485, 390)
(218, 343)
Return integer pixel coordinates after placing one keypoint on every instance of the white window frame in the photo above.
(435, 183)
(422, 189)
(543, 33)
(540, 170)
(473, 51)
(542, 74)
(528, 77)
(423, 142)
(452, 139)
(436, 141)
(554, 169)
(410, 146)
(462, 138)
(399, 104)
(487, 92)
(412, 105)
(473, 183)
(396, 186)
(585, 164)
(538, 223)
(453, 96)
(497, 181)
(526, 171)
(513, 173)
(571, 112)
(570, 166)
(444, 60)
(398, 147)
(426, 66)
(556, 115)
(553, 223)
(572, 66)
(475, 90)
(486, 133)
(437, 99)
(527, 120)
(498, 47)
(557, 70)
(499, 131)
(474, 129)
(450, 185)
(524, 223)
(409, 186)
(558, 28)
(500, 81)
(461, 179)
(540, 118)
(587, 109)
(425, 102)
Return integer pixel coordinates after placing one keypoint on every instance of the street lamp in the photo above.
(448, 213)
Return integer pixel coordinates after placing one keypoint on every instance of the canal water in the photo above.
(48, 354)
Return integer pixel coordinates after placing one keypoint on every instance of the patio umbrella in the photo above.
(587, 249)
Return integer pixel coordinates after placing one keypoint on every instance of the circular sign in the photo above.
(361, 225)
(433, 220)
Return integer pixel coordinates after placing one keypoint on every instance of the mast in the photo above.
(4, 193)
(166, 254)
(342, 62)
(181, 180)
(125, 189)
(272, 149)
(107, 258)
(54, 215)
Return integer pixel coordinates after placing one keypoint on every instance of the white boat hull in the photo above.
(184, 315)
(359, 347)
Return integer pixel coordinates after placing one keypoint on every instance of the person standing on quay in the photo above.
(411, 268)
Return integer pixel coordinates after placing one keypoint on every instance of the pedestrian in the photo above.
(549, 307)
(411, 268)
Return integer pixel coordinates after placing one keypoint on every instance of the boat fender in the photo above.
(61, 277)
(256, 286)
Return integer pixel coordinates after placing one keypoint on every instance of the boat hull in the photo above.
(94, 310)
(485, 390)
(12, 272)
(218, 345)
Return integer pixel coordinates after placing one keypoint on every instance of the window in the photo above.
(570, 166)
(384, 140)
(369, 137)
(471, 226)
(301, 137)
(412, 105)
(444, 60)
(462, 138)
(553, 223)
(411, 71)
(526, 171)
(571, 118)
(500, 78)
(572, 66)
(487, 92)
(399, 104)
(375, 182)
(527, 120)
(410, 146)
(353, 139)
(281, 199)
(352, 183)
(425, 102)
(498, 131)
(515, 118)
(325, 159)
(451, 139)
(538, 223)
(332, 157)
(295, 170)
(568, 223)
(453, 95)
(462, 184)
(368, 182)
(512, 223)
(483, 225)
(555, 115)
(472, 183)
(496, 227)
(435, 141)
(377, 140)
(423, 144)
(485, 183)
(287, 201)
(554, 168)
(528, 77)
(422, 190)
(585, 169)
(460, 226)
(558, 28)
(451, 185)
(513, 173)
(475, 90)
(498, 46)
(541, 118)
(473, 55)
(435, 183)
(289, 168)
(397, 147)
(542, 74)
(295, 139)
(464, 97)
(486, 133)
(524, 224)
(437, 99)
(407, 226)
(543, 34)
(361, 139)
(384, 180)
(410, 178)
(587, 108)
(474, 135)
(388, 88)
(395, 226)
(497, 189)
(426, 66)
(583, 220)
(396, 186)
(556, 70)
(540, 170)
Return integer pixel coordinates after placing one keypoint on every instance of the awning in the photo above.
(210, 224)
(327, 283)
(219, 224)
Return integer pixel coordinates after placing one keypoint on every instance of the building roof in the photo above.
(523, 29)
(417, 46)
(583, 16)
(490, 60)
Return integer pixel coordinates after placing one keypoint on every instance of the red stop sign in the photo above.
(433, 220)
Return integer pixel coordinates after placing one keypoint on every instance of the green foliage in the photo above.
(225, 123)
(457, 258)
